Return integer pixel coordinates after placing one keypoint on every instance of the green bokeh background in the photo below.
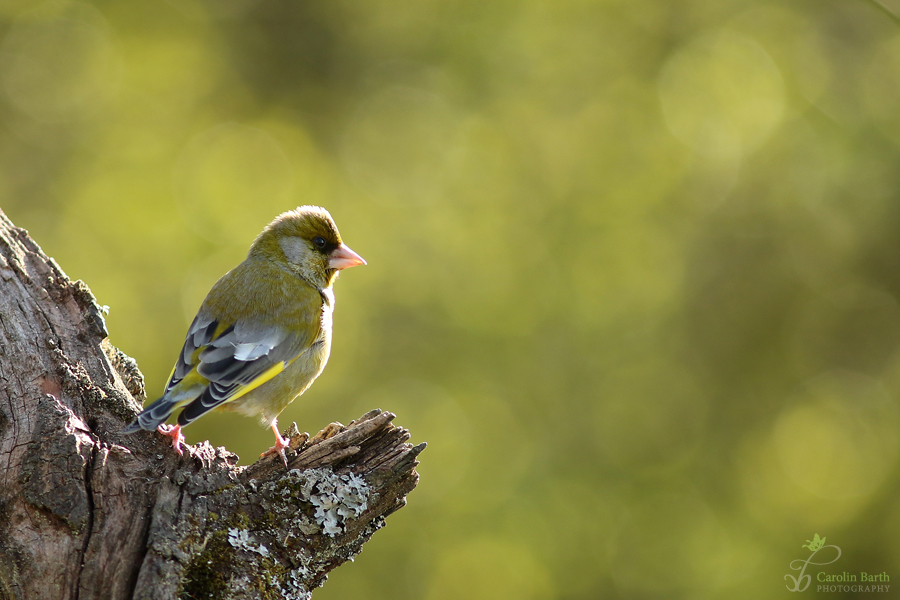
(633, 266)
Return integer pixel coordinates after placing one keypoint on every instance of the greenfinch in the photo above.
(263, 333)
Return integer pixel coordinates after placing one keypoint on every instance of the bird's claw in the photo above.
(174, 432)
(280, 444)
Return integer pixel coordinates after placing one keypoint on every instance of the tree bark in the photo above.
(87, 512)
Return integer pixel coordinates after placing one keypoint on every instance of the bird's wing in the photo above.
(220, 363)
(231, 361)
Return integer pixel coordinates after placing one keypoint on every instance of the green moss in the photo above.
(239, 520)
(266, 521)
(205, 576)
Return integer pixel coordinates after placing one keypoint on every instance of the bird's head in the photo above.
(307, 241)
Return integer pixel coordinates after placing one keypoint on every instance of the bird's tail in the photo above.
(154, 415)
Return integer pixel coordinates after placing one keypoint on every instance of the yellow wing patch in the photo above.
(263, 377)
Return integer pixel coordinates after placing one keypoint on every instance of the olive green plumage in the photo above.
(263, 333)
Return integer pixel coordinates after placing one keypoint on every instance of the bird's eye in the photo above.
(319, 241)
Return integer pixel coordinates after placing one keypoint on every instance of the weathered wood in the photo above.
(89, 513)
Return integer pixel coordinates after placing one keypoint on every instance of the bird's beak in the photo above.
(343, 257)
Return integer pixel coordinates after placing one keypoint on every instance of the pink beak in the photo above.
(343, 257)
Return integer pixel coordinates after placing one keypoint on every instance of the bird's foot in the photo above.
(280, 444)
(174, 432)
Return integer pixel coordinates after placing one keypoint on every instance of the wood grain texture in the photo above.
(87, 512)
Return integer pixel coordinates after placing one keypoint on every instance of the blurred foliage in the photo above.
(633, 266)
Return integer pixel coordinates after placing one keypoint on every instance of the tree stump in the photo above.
(87, 512)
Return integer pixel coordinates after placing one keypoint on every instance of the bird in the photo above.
(263, 333)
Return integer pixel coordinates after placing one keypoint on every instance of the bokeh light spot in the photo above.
(721, 94)
(840, 440)
(828, 452)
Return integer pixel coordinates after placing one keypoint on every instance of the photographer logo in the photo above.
(827, 582)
